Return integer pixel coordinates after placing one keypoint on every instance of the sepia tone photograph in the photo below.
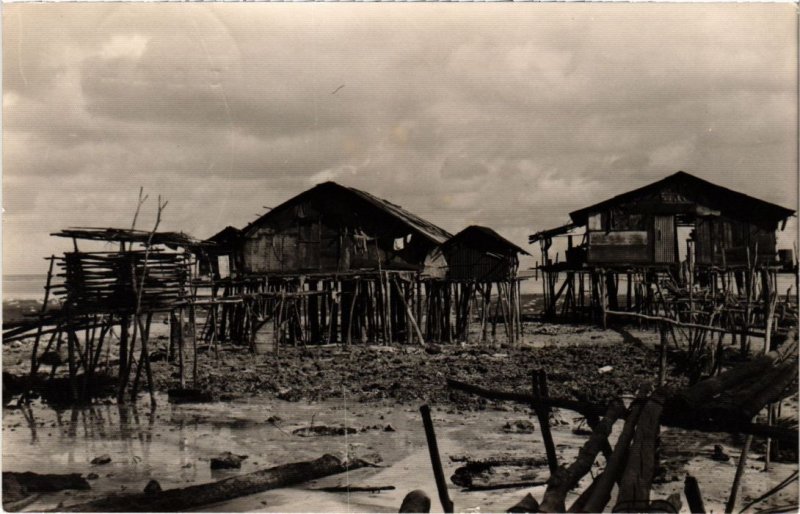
(363, 257)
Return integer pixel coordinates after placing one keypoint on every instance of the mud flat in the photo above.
(366, 388)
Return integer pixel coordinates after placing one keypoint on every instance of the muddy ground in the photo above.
(262, 400)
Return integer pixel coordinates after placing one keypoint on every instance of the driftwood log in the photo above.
(567, 478)
(614, 468)
(173, 500)
(637, 479)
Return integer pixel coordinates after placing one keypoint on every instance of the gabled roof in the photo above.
(228, 234)
(356, 198)
(731, 203)
(484, 238)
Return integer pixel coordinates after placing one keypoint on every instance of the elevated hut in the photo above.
(673, 241)
(642, 226)
(332, 264)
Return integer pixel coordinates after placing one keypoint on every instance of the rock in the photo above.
(152, 487)
(389, 428)
(227, 460)
(274, 419)
(416, 501)
(719, 454)
(521, 426)
(433, 349)
(51, 358)
(103, 459)
(189, 396)
(92, 476)
(158, 355)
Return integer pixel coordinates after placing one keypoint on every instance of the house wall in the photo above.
(303, 238)
(656, 240)
(736, 239)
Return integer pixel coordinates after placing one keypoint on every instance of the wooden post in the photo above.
(738, 476)
(693, 497)
(539, 382)
(662, 354)
(436, 463)
(565, 479)
(604, 483)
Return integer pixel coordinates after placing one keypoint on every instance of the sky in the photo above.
(505, 115)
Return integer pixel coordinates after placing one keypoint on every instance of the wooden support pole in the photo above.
(539, 380)
(436, 463)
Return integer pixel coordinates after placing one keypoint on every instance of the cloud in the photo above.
(503, 115)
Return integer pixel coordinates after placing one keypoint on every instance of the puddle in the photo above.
(173, 443)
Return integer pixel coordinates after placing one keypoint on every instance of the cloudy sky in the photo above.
(505, 115)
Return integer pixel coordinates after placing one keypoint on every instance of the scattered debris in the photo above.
(323, 430)
(520, 426)
(227, 460)
(189, 396)
(719, 454)
(102, 459)
(500, 473)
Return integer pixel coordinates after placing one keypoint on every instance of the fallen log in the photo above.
(173, 500)
(354, 488)
(675, 413)
(706, 390)
(584, 408)
(567, 478)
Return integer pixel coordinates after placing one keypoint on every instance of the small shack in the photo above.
(480, 254)
(220, 258)
(478, 259)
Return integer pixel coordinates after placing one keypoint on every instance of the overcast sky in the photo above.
(505, 115)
